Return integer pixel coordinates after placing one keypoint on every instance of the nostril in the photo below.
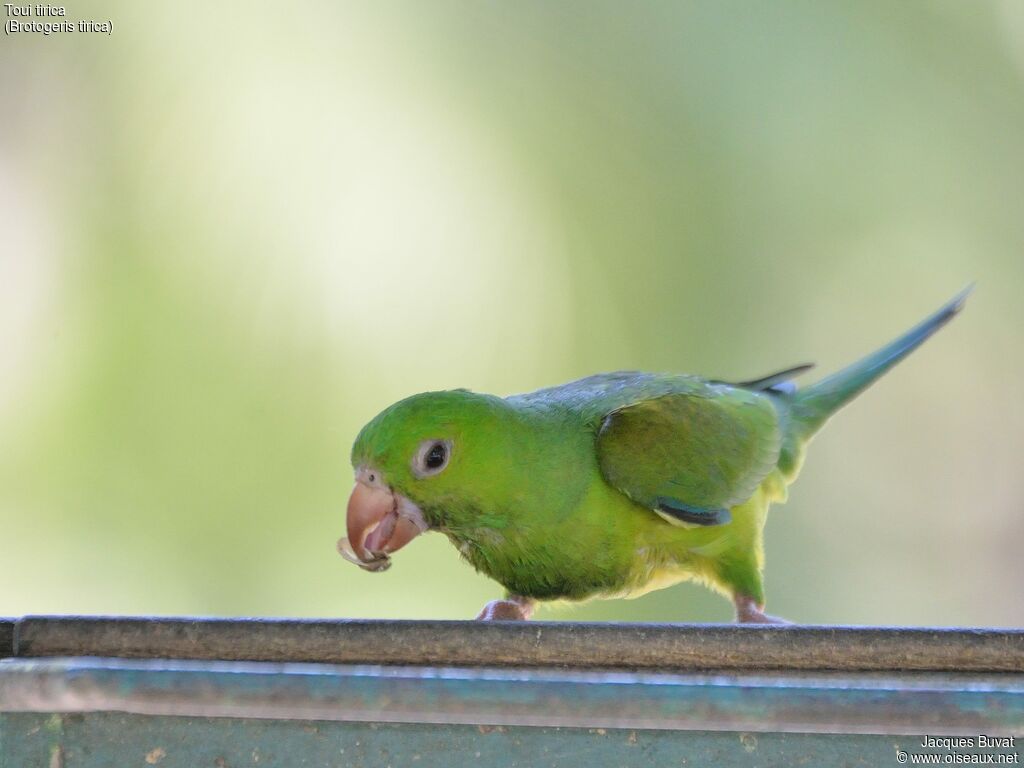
(372, 477)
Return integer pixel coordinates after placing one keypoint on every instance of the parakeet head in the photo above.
(419, 464)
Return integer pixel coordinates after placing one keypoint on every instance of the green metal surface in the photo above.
(105, 740)
(830, 703)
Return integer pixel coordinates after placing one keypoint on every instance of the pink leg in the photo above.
(515, 608)
(749, 612)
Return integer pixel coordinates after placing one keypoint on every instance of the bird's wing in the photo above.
(688, 456)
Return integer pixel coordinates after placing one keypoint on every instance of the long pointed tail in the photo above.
(811, 407)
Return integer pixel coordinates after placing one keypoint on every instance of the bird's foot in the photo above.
(749, 612)
(515, 608)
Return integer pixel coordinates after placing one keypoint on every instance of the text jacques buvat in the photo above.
(47, 19)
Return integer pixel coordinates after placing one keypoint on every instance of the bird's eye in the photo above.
(436, 456)
(431, 457)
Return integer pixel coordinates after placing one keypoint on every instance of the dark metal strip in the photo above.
(6, 638)
(522, 644)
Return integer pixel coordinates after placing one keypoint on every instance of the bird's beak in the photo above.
(379, 523)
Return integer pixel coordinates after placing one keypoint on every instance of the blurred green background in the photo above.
(232, 233)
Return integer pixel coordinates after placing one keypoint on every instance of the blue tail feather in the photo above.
(812, 406)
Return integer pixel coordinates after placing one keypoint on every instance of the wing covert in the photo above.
(691, 456)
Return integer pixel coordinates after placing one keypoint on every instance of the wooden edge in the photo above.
(789, 703)
(524, 644)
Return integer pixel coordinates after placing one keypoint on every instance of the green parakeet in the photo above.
(609, 486)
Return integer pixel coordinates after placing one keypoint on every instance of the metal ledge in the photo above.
(87, 691)
(524, 644)
(783, 703)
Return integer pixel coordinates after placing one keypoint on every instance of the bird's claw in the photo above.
(380, 562)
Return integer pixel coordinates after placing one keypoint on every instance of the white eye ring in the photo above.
(431, 457)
